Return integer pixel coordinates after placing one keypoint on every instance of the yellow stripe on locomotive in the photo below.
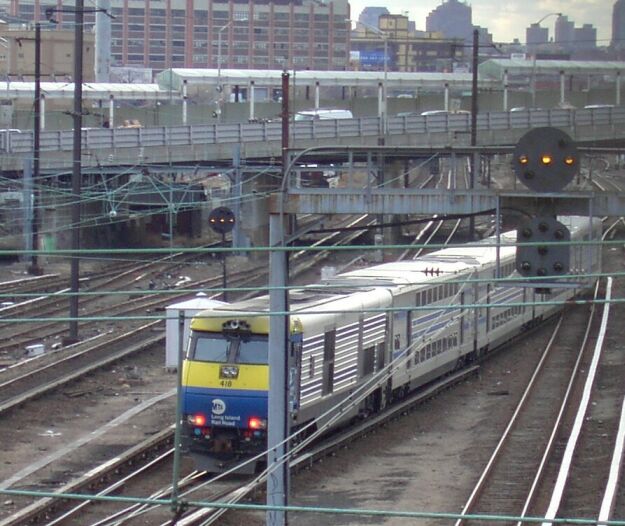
(238, 376)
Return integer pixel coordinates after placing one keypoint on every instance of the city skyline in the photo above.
(508, 20)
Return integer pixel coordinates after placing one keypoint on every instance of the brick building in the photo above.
(263, 34)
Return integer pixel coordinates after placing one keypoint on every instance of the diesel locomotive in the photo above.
(395, 326)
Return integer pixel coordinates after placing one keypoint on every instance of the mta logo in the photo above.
(219, 407)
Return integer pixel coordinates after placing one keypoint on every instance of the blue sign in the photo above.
(372, 58)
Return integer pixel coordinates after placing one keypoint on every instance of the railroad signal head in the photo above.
(540, 260)
(221, 220)
(546, 159)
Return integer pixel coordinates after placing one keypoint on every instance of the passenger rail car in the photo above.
(407, 322)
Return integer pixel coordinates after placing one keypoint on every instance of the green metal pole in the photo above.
(175, 505)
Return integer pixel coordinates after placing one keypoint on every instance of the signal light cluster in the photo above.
(546, 159)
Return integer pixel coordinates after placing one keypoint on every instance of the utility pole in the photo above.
(103, 41)
(474, 95)
(34, 268)
(76, 170)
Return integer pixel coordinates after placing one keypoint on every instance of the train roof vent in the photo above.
(451, 258)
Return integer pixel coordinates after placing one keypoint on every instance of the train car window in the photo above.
(209, 348)
(422, 355)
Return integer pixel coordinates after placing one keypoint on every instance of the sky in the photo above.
(507, 19)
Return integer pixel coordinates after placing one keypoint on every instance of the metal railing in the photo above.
(21, 142)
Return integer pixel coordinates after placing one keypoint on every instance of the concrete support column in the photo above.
(446, 106)
(251, 94)
(27, 201)
(618, 88)
(380, 99)
(394, 178)
(111, 111)
(42, 109)
(562, 81)
(317, 95)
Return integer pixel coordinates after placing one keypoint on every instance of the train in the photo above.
(396, 326)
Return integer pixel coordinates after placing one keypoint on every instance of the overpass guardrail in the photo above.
(16, 142)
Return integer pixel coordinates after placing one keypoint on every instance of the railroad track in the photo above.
(157, 451)
(530, 471)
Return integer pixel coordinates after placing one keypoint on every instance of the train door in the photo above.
(399, 343)
(295, 363)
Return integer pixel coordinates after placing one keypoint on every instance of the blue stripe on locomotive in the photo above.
(225, 407)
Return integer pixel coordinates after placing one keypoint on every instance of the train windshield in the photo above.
(232, 349)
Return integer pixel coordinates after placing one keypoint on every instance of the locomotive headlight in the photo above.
(228, 371)
(257, 423)
(198, 420)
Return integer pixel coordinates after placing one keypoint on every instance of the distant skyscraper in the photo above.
(371, 15)
(536, 36)
(453, 19)
(571, 38)
(585, 37)
(618, 24)
(564, 32)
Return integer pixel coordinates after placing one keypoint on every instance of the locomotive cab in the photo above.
(225, 381)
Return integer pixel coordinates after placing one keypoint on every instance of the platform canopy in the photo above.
(91, 91)
(497, 67)
(175, 78)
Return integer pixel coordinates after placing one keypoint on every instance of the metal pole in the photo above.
(34, 266)
(533, 81)
(76, 172)
(285, 117)
(474, 95)
(505, 90)
(177, 432)
(184, 102)
(220, 89)
(103, 25)
(277, 467)
(224, 280)
(385, 116)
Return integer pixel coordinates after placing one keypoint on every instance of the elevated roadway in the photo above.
(103, 147)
